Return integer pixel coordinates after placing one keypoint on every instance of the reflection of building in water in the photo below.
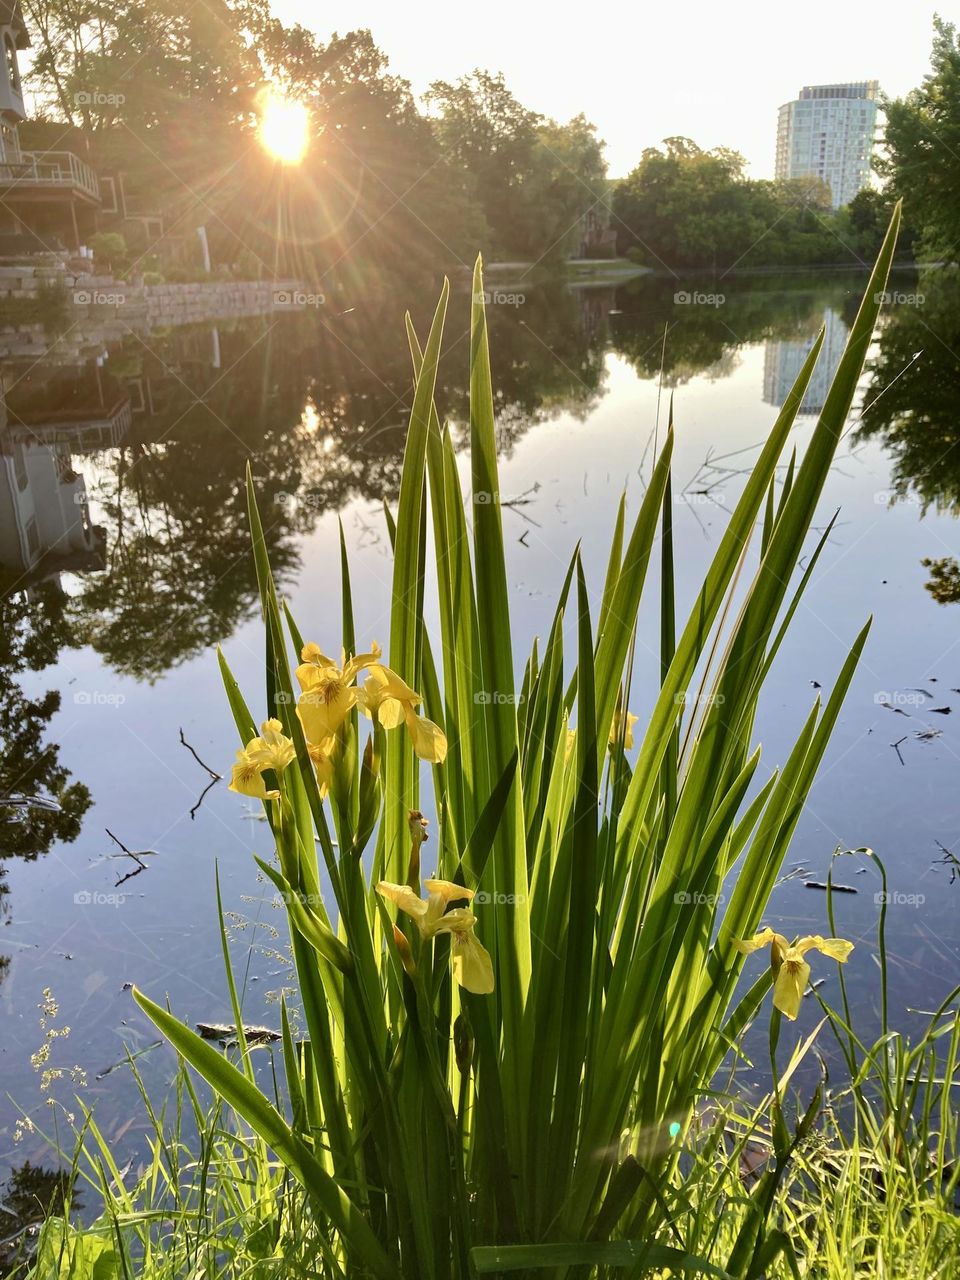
(45, 525)
(188, 368)
(595, 302)
(783, 361)
(44, 522)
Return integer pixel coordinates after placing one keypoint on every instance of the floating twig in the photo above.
(138, 857)
(896, 747)
(948, 860)
(212, 772)
(203, 795)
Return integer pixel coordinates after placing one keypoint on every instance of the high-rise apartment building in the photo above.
(828, 132)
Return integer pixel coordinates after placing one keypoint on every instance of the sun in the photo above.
(284, 127)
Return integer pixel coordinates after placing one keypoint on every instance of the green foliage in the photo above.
(532, 177)
(429, 1127)
(682, 208)
(922, 145)
(568, 1124)
(110, 248)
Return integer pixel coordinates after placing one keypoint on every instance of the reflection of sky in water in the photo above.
(577, 430)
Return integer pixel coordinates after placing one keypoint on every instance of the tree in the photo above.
(532, 177)
(684, 207)
(922, 160)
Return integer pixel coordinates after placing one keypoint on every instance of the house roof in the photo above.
(11, 16)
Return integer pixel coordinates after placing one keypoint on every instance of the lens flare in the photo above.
(284, 128)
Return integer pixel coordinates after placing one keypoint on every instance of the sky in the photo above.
(642, 72)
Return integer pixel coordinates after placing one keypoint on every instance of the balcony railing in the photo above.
(54, 169)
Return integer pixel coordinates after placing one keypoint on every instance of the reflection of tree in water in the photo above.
(913, 391)
(32, 631)
(944, 583)
(28, 1195)
(319, 408)
(318, 404)
(694, 339)
(31, 634)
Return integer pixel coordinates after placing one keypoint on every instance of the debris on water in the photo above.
(816, 684)
(127, 986)
(814, 986)
(136, 855)
(940, 711)
(21, 806)
(896, 747)
(837, 888)
(899, 711)
(928, 735)
(214, 776)
(125, 1062)
(926, 692)
(523, 538)
(18, 801)
(948, 860)
(226, 1033)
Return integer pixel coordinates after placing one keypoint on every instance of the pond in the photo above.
(123, 532)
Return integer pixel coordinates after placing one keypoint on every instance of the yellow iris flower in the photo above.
(387, 698)
(791, 970)
(614, 738)
(321, 753)
(271, 750)
(616, 728)
(472, 965)
(329, 692)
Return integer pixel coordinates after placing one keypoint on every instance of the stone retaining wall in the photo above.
(144, 306)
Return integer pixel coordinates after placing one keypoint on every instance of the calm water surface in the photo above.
(123, 536)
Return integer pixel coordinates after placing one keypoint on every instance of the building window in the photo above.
(108, 195)
(13, 71)
(19, 466)
(33, 537)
